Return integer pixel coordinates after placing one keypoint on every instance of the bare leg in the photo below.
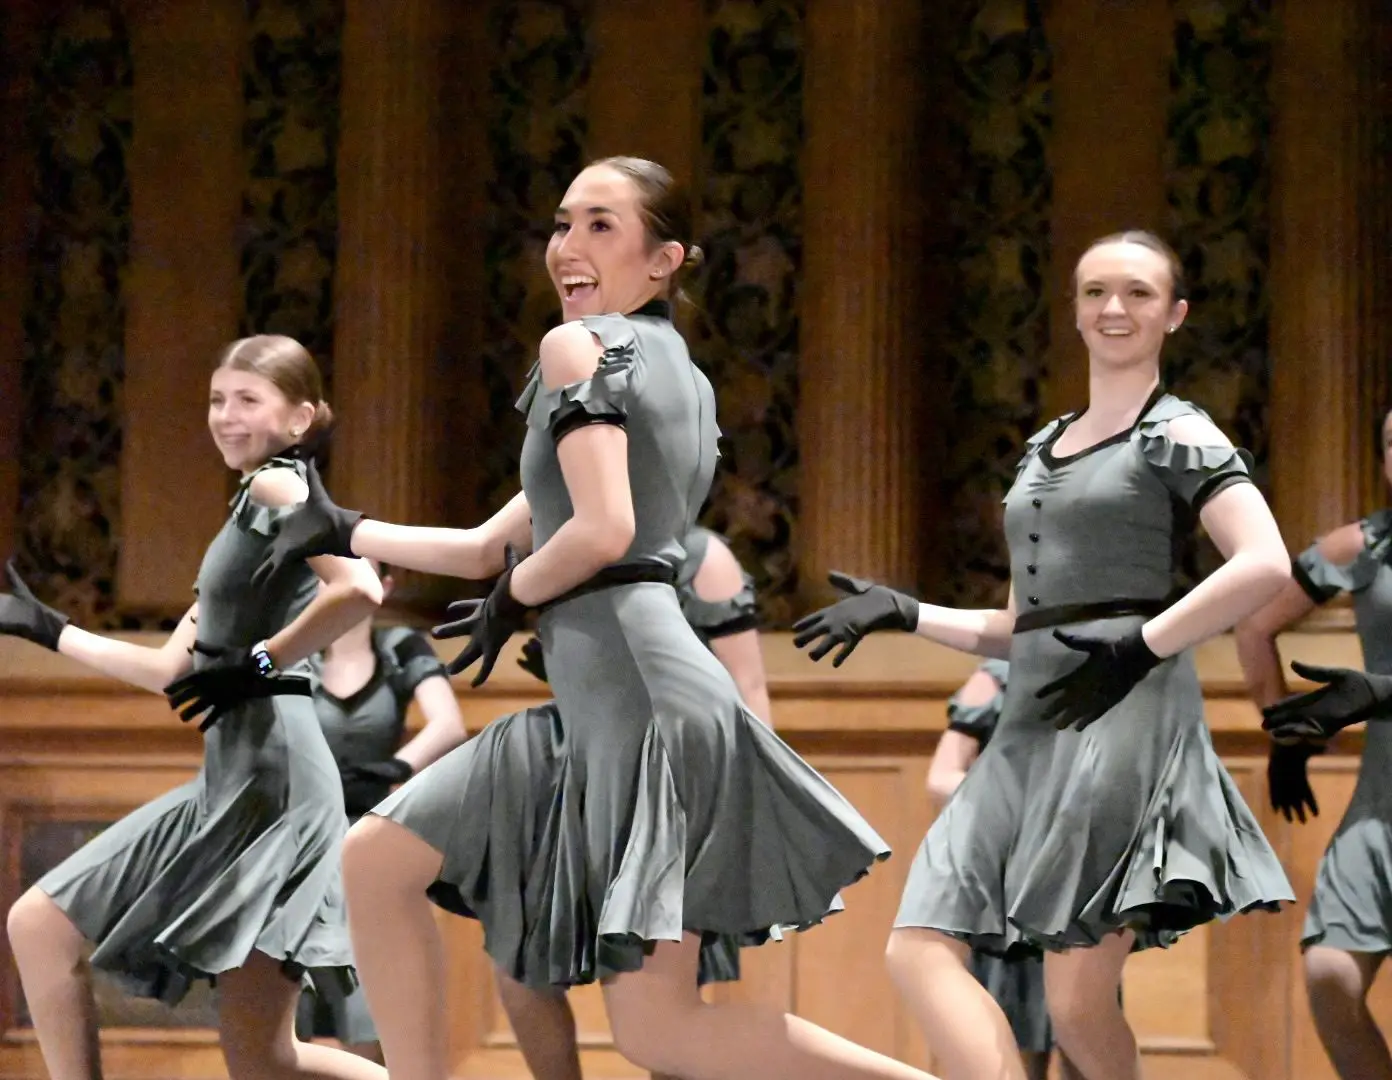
(660, 1023)
(57, 982)
(386, 870)
(545, 1029)
(1081, 985)
(1067, 1070)
(1338, 984)
(962, 1022)
(256, 1026)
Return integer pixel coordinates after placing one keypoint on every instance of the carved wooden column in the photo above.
(1374, 32)
(183, 296)
(860, 341)
(387, 456)
(1112, 83)
(19, 31)
(1316, 435)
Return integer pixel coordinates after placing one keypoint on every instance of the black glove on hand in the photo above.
(1287, 782)
(870, 607)
(488, 623)
(318, 527)
(227, 683)
(1111, 668)
(1347, 697)
(532, 661)
(391, 771)
(24, 617)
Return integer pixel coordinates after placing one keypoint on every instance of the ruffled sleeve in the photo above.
(412, 656)
(1193, 474)
(1037, 440)
(1323, 580)
(603, 398)
(979, 721)
(251, 516)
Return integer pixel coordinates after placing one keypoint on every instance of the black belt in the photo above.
(1063, 614)
(613, 576)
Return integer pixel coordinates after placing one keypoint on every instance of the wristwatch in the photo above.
(261, 658)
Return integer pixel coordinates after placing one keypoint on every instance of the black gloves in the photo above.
(1347, 697)
(227, 683)
(391, 771)
(532, 661)
(1287, 782)
(316, 528)
(1110, 670)
(24, 617)
(870, 607)
(487, 623)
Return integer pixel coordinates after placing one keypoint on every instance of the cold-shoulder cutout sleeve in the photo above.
(979, 721)
(722, 618)
(603, 398)
(1323, 580)
(1192, 473)
(251, 516)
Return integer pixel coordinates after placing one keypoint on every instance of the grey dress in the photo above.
(246, 855)
(367, 726)
(1056, 839)
(1017, 983)
(1351, 908)
(670, 807)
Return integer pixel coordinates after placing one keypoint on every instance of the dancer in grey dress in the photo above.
(234, 876)
(377, 671)
(1099, 818)
(676, 816)
(1348, 928)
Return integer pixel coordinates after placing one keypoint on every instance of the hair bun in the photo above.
(694, 256)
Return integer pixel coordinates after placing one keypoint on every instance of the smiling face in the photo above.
(250, 419)
(601, 257)
(1125, 304)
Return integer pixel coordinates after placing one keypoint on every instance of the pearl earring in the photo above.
(1171, 329)
(294, 433)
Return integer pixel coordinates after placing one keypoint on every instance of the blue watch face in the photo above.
(262, 659)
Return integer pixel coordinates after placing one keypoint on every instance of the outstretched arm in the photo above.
(1256, 635)
(148, 667)
(474, 554)
(981, 631)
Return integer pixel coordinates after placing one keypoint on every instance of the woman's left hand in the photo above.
(220, 687)
(1111, 668)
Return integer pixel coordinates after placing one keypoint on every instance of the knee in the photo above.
(36, 923)
(1334, 982)
(1076, 1003)
(647, 1032)
(913, 953)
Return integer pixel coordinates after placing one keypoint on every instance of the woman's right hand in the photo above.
(869, 607)
(23, 616)
(318, 527)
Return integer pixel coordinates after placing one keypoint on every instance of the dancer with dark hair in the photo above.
(676, 816)
(1098, 819)
(233, 877)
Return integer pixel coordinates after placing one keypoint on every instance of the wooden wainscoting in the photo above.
(1226, 1002)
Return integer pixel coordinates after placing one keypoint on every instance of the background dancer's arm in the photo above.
(444, 726)
(719, 579)
(1256, 635)
(1256, 565)
(473, 554)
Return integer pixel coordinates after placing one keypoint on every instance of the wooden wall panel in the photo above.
(184, 293)
(1226, 1002)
